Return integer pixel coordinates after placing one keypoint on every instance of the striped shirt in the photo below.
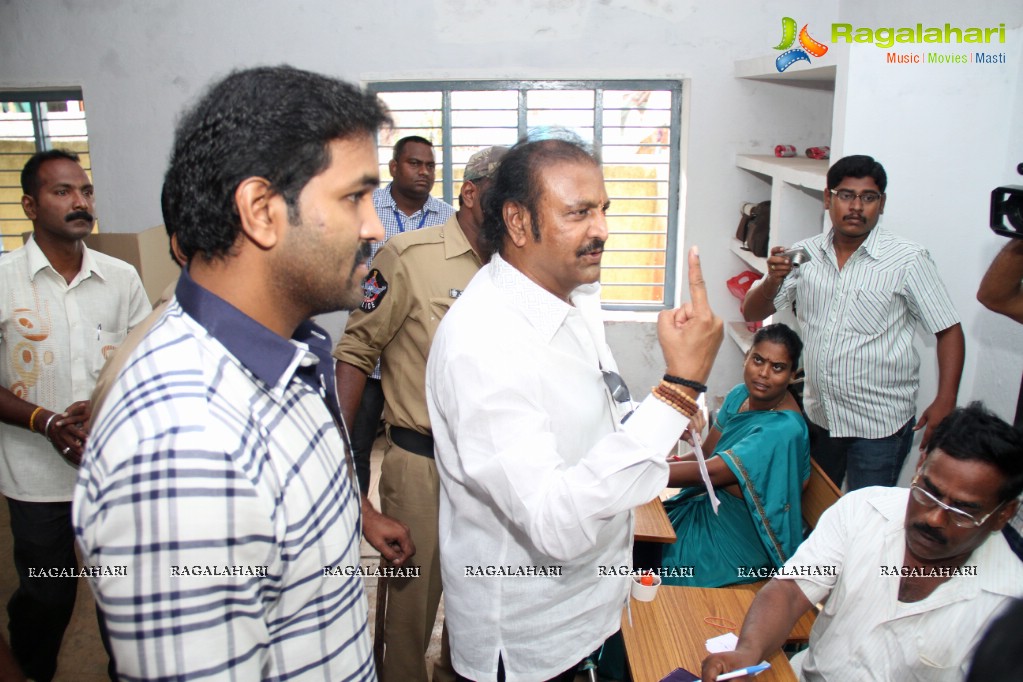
(394, 220)
(217, 476)
(862, 371)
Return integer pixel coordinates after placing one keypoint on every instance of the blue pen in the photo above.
(752, 670)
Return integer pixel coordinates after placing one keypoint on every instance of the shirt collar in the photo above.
(384, 198)
(997, 566)
(870, 245)
(455, 241)
(545, 311)
(271, 358)
(37, 261)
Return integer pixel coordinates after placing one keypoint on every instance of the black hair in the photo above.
(399, 146)
(857, 166)
(975, 433)
(30, 173)
(518, 180)
(784, 335)
(270, 122)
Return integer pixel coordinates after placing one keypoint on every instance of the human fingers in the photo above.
(697, 286)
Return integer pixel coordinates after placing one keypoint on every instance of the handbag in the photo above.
(754, 227)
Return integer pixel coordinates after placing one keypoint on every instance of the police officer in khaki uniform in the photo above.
(416, 277)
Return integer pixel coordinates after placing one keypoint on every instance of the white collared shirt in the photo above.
(862, 371)
(54, 339)
(535, 471)
(864, 631)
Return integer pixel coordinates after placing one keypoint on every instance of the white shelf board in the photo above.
(757, 263)
(796, 170)
(817, 76)
(742, 337)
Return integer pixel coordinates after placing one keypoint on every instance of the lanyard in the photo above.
(401, 224)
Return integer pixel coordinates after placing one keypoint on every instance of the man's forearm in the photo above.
(18, 412)
(351, 382)
(759, 301)
(1001, 289)
(777, 607)
(951, 352)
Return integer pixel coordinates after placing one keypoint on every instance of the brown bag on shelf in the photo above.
(754, 227)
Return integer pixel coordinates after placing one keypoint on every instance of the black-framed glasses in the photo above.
(958, 516)
(847, 196)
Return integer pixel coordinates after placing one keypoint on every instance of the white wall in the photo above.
(139, 63)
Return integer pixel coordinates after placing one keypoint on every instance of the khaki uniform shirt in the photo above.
(416, 276)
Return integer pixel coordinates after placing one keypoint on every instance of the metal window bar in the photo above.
(597, 113)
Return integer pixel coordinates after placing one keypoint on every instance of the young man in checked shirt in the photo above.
(218, 471)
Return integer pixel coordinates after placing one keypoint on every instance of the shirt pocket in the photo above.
(104, 344)
(868, 310)
(438, 308)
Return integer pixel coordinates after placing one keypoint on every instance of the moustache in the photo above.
(595, 245)
(933, 534)
(363, 254)
(78, 215)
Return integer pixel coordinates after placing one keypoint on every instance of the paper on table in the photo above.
(698, 449)
(721, 643)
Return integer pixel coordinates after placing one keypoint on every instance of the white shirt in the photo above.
(864, 631)
(862, 371)
(54, 339)
(535, 471)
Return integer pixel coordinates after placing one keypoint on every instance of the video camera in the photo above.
(1007, 209)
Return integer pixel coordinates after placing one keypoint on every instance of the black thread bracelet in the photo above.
(689, 383)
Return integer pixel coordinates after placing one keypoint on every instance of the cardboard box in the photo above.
(148, 251)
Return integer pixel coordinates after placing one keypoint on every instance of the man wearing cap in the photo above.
(416, 277)
(404, 205)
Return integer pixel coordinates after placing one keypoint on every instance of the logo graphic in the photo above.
(373, 290)
(808, 46)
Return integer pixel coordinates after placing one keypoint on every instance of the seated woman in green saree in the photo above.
(758, 458)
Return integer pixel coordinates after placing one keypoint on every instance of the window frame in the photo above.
(598, 86)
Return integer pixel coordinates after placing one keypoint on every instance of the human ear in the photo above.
(262, 211)
(517, 222)
(28, 205)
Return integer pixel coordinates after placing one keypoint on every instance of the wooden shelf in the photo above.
(742, 337)
(800, 171)
(816, 76)
(756, 263)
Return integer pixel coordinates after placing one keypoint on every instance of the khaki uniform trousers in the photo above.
(410, 492)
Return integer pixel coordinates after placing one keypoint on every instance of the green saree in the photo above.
(769, 453)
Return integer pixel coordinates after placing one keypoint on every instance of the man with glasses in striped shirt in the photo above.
(858, 301)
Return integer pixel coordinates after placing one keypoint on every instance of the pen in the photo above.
(99, 328)
(753, 669)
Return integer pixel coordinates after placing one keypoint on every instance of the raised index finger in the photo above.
(697, 287)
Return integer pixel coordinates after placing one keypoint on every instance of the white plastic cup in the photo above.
(641, 592)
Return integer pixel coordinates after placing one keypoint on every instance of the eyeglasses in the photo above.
(847, 196)
(615, 384)
(958, 516)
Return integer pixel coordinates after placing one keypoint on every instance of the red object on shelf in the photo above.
(784, 151)
(741, 283)
(819, 152)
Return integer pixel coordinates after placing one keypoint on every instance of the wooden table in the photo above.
(652, 524)
(669, 632)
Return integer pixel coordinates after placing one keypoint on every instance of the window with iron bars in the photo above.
(633, 125)
(32, 121)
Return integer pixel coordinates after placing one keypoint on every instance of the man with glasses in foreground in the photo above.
(858, 301)
(913, 576)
